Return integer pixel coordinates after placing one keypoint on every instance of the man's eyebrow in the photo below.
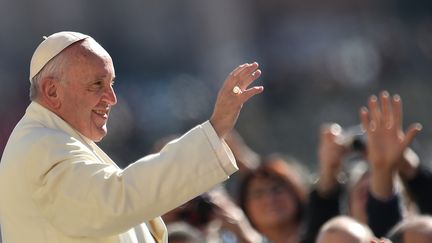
(103, 77)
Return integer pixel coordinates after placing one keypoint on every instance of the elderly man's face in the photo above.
(86, 93)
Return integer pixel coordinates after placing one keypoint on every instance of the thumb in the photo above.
(411, 133)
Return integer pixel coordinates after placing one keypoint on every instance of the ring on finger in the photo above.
(237, 90)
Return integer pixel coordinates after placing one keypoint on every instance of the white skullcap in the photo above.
(51, 47)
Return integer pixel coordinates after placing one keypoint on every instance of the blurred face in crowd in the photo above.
(86, 93)
(270, 202)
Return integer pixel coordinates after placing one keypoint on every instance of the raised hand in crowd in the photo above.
(386, 145)
(387, 141)
(331, 153)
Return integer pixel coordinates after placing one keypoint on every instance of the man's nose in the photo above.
(110, 96)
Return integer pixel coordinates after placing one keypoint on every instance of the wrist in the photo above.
(381, 184)
(327, 184)
(218, 129)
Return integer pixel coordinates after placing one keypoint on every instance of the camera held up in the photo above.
(352, 137)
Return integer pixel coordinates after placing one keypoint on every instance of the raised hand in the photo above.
(233, 94)
(383, 124)
(330, 155)
(386, 140)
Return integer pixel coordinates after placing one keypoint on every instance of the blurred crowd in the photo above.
(370, 187)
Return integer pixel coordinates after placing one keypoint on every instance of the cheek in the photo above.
(292, 209)
(254, 211)
(287, 201)
(251, 207)
(78, 110)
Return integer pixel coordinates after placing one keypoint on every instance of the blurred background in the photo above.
(320, 62)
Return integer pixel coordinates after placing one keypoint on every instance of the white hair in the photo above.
(53, 69)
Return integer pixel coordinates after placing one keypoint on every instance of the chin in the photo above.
(98, 136)
(97, 139)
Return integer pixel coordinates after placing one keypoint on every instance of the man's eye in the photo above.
(97, 84)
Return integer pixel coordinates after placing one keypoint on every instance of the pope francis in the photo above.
(58, 186)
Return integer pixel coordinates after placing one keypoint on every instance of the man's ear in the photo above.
(50, 92)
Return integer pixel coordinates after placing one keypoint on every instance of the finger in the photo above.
(246, 81)
(375, 114)
(325, 132)
(333, 129)
(397, 111)
(413, 130)
(364, 118)
(249, 93)
(246, 75)
(248, 69)
(236, 71)
(232, 78)
(385, 108)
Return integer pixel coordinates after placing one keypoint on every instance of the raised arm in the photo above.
(324, 198)
(386, 141)
(330, 155)
(385, 147)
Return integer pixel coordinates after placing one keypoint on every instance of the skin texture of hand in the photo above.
(386, 140)
(330, 155)
(228, 104)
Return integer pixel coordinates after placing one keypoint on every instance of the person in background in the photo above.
(387, 143)
(416, 229)
(363, 202)
(344, 229)
(216, 217)
(61, 187)
(214, 214)
(182, 232)
(327, 193)
(392, 158)
(273, 197)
